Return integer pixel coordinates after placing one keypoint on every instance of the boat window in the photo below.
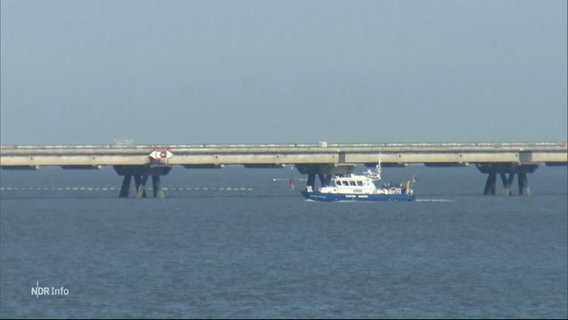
(345, 183)
(337, 182)
(352, 183)
(360, 183)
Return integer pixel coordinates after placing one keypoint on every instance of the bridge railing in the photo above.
(322, 144)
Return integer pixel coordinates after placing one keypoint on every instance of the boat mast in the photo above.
(378, 168)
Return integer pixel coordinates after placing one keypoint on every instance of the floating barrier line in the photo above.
(85, 189)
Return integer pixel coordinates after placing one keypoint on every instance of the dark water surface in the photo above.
(231, 243)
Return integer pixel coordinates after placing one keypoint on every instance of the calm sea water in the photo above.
(231, 243)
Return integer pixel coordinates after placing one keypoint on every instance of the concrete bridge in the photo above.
(321, 160)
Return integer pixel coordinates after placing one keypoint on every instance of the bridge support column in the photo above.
(125, 186)
(504, 169)
(140, 174)
(311, 180)
(507, 182)
(324, 172)
(324, 179)
(157, 187)
(491, 184)
(524, 189)
(140, 182)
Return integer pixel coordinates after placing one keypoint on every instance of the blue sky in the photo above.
(169, 72)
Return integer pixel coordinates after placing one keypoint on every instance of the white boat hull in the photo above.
(328, 197)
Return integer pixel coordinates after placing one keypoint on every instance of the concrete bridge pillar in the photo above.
(507, 171)
(140, 174)
(324, 172)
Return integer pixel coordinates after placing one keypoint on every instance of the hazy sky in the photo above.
(168, 72)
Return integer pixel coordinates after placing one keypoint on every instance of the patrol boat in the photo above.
(361, 187)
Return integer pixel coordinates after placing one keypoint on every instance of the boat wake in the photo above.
(434, 200)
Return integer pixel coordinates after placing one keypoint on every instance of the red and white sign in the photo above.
(161, 154)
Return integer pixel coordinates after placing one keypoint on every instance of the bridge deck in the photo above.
(278, 154)
(138, 162)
